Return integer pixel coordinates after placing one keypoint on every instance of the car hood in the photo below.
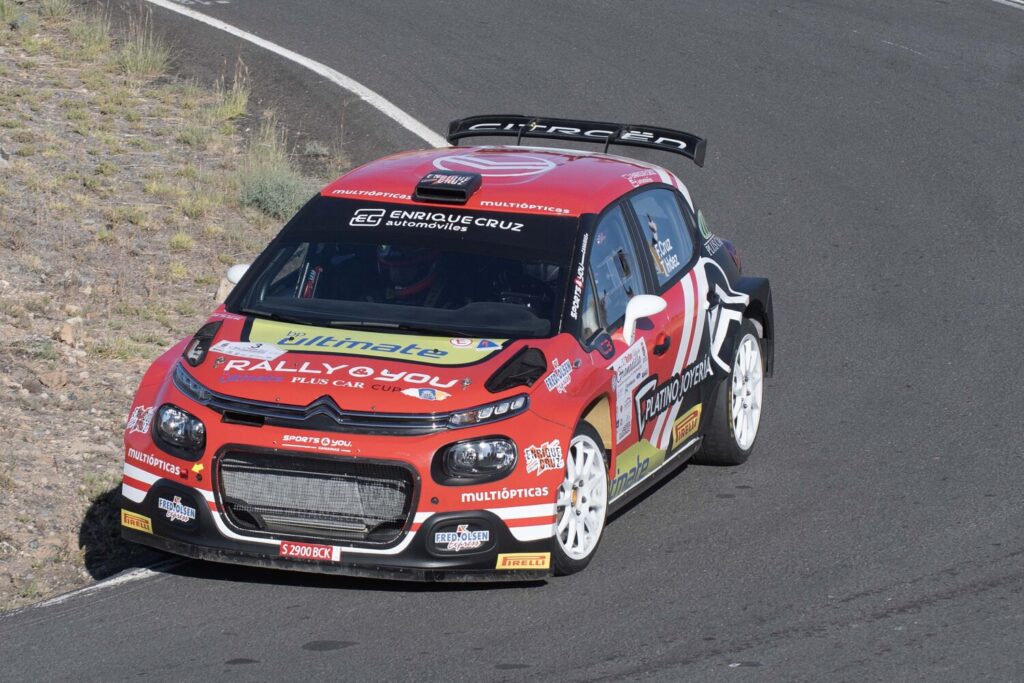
(277, 362)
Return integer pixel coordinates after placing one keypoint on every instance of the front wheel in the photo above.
(582, 503)
(730, 436)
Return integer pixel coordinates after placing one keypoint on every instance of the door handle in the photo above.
(662, 344)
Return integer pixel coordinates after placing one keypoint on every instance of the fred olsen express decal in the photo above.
(404, 347)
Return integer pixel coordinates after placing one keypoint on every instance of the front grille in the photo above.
(325, 498)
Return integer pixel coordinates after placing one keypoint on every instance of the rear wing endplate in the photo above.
(519, 127)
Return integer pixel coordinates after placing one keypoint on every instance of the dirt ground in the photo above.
(119, 213)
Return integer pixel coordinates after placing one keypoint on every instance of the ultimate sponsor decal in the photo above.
(315, 443)
(496, 165)
(153, 461)
(505, 495)
(547, 456)
(523, 561)
(686, 426)
(309, 551)
(426, 394)
(320, 373)
(175, 510)
(577, 283)
(462, 538)
(255, 350)
(653, 399)
(140, 420)
(630, 370)
(560, 376)
(445, 221)
(633, 466)
(309, 339)
(136, 522)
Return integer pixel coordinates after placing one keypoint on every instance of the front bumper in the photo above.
(413, 558)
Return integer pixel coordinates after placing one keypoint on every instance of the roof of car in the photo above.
(516, 179)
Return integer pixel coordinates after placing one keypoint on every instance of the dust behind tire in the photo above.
(721, 447)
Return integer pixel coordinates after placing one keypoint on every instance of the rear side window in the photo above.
(614, 267)
(665, 231)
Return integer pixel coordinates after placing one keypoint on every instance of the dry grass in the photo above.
(143, 54)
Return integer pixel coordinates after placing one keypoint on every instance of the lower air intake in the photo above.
(318, 498)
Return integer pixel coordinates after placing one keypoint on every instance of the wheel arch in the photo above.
(759, 310)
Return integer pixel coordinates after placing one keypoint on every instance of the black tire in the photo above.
(720, 447)
(561, 562)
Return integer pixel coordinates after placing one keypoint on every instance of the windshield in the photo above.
(446, 272)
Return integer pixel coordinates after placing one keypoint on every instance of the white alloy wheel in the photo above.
(747, 392)
(582, 499)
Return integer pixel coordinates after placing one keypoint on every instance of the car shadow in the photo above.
(107, 554)
(99, 537)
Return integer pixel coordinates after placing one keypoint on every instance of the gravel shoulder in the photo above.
(121, 204)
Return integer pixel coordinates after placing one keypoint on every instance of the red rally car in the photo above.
(455, 363)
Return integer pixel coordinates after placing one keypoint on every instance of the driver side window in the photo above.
(614, 269)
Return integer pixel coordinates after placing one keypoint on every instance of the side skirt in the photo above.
(679, 457)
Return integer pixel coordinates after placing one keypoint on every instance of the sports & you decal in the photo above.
(136, 522)
(686, 426)
(630, 369)
(523, 561)
(547, 456)
(328, 444)
(578, 280)
(653, 399)
(140, 420)
(309, 339)
(175, 510)
(462, 538)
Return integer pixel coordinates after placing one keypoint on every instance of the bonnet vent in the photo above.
(447, 187)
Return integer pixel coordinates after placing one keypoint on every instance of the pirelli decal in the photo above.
(685, 426)
(524, 561)
(136, 522)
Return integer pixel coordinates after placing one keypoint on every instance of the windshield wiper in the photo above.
(403, 327)
(276, 316)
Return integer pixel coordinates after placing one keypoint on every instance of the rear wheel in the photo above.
(729, 437)
(582, 503)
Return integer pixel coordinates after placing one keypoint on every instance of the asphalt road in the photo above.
(867, 157)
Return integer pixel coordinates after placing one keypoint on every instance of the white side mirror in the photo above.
(640, 306)
(236, 272)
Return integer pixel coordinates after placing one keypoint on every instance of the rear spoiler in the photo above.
(518, 126)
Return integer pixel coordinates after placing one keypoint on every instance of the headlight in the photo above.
(179, 432)
(188, 385)
(489, 413)
(476, 460)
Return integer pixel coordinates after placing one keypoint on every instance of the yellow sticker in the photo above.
(686, 426)
(197, 468)
(403, 347)
(524, 561)
(136, 522)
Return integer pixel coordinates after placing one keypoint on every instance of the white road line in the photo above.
(369, 96)
(113, 582)
(1019, 4)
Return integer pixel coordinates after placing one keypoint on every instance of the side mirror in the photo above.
(236, 272)
(640, 306)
